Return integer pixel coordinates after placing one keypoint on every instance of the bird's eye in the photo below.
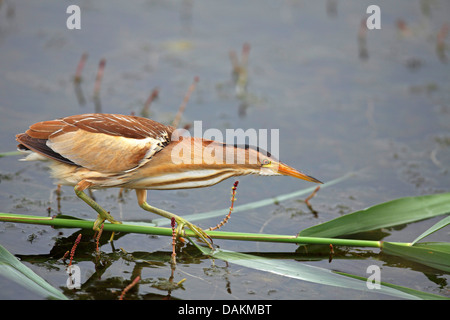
(265, 162)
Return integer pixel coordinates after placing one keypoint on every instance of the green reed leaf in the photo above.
(439, 225)
(395, 212)
(413, 292)
(14, 270)
(305, 272)
(432, 254)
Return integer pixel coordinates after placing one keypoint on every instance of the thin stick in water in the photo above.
(80, 67)
(311, 196)
(128, 287)
(176, 120)
(98, 80)
(153, 95)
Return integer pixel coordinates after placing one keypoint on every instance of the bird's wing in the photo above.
(99, 142)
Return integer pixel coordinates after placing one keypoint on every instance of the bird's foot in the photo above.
(99, 221)
(199, 232)
(102, 218)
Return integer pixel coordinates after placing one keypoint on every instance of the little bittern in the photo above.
(111, 150)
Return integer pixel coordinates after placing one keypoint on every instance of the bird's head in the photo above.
(266, 165)
(273, 167)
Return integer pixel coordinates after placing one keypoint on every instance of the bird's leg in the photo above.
(102, 213)
(142, 200)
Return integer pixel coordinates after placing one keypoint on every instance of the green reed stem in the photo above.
(161, 231)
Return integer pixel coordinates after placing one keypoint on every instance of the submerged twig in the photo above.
(80, 67)
(128, 287)
(240, 72)
(362, 40)
(153, 95)
(330, 258)
(98, 80)
(58, 197)
(312, 195)
(176, 120)
(440, 43)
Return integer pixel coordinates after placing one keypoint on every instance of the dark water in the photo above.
(344, 99)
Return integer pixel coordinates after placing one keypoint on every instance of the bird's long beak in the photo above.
(289, 171)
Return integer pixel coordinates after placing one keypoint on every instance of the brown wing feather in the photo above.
(42, 130)
(119, 125)
(39, 146)
(100, 142)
